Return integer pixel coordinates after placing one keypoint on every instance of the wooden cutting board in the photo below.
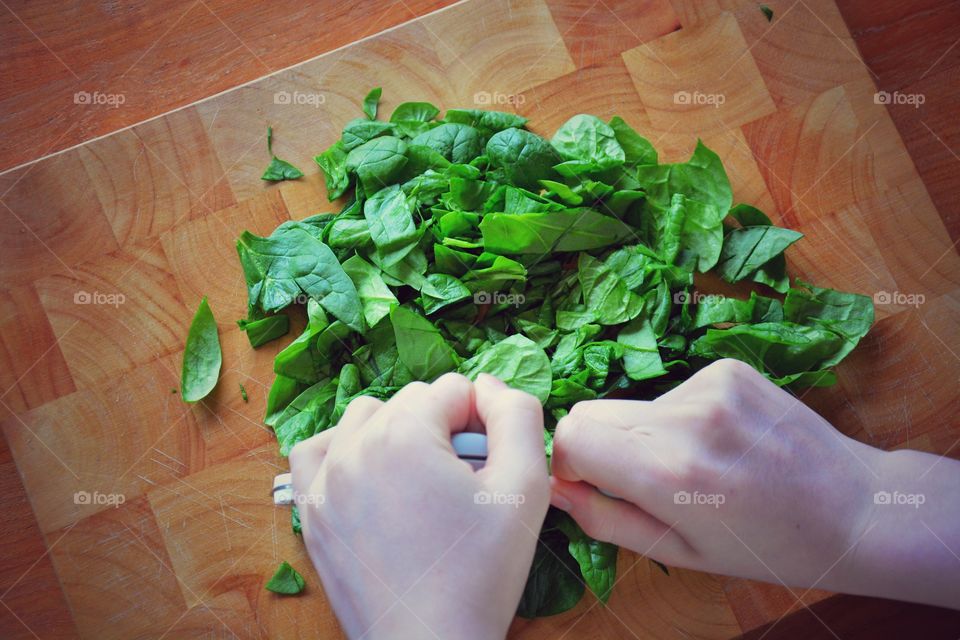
(107, 249)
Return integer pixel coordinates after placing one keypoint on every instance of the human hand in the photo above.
(726, 473)
(390, 515)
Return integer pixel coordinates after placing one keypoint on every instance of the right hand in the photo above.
(726, 473)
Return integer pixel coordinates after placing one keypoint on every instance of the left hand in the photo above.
(391, 518)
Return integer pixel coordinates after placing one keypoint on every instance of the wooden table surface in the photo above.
(107, 247)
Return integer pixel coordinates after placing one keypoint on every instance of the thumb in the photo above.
(619, 522)
(514, 424)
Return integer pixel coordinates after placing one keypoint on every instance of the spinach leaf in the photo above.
(371, 102)
(636, 148)
(848, 314)
(554, 584)
(421, 347)
(201, 356)
(378, 162)
(702, 178)
(605, 293)
(292, 261)
(278, 169)
(747, 249)
(420, 111)
(779, 349)
(333, 163)
(597, 560)
(286, 580)
(518, 361)
(389, 213)
(282, 393)
(641, 356)
(455, 142)
(523, 157)
(486, 121)
(361, 130)
(541, 233)
(375, 296)
(264, 330)
(588, 139)
(774, 272)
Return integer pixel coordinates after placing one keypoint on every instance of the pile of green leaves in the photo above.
(563, 266)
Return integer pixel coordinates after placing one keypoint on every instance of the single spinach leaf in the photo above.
(522, 156)
(389, 214)
(588, 139)
(371, 102)
(378, 163)
(517, 361)
(641, 355)
(597, 560)
(333, 163)
(278, 169)
(292, 261)
(747, 249)
(419, 111)
(286, 580)
(264, 330)
(611, 301)
(541, 233)
(420, 346)
(455, 142)
(201, 356)
(636, 148)
(702, 178)
(375, 296)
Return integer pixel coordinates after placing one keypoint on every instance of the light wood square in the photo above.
(117, 312)
(156, 174)
(699, 79)
(121, 437)
(497, 48)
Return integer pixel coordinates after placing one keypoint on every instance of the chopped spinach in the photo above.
(278, 169)
(286, 580)
(566, 266)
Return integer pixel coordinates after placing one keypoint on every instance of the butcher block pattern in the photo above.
(153, 518)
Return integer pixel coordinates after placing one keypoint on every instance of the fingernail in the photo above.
(486, 378)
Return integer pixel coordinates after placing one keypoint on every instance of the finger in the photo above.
(444, 407)
(360, 409)
(619, 522)
(630, 461)
(514, 425)
(305, 460)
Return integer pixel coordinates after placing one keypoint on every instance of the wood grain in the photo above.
(157, 56)
(107, 248)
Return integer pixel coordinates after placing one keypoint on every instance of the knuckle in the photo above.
(521, 400)
(363, 403)
(715, 413)
(730, 370)
(567, 432)
(454, 378)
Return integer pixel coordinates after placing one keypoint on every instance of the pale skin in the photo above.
(725, 473)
